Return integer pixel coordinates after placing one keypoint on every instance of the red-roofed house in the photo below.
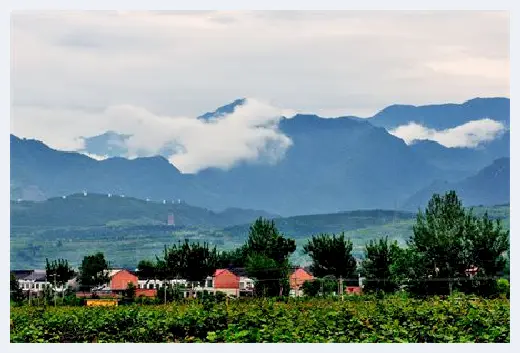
(296, 280)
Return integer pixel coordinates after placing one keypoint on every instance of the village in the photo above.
(232, 282)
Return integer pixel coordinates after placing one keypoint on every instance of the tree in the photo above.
(380, 265)
(271, 277)
(58, 272)
(447, 241)
(319, 286)
(16, 292)
(233, 258)
(265, 239)
(267, 257)
(93, 271)
(331, 255)
(440, 244)
(146, 269)
(489, 244)
(193, 262)
(130, 291)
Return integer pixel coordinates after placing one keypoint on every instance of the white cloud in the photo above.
(95, 156)
(251, 132)
(470, 134)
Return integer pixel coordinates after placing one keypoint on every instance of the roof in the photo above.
(239, 272)
(37, 275)
(294, 269)
(21, 274)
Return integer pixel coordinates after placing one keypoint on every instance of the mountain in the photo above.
(333, 164)
(307, 225)
(226, 109)
(79, 210)
(459, 161)
(444, 116)
(110, 144)
(490, 186)
(56, 173)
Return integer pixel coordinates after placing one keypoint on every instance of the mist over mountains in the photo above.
(331, 165)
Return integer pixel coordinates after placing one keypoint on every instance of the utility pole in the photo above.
(55, 289)
(341, 286)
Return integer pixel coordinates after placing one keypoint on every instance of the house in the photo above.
(297, 278)
(353, 290)
(231, 281)
(32, 281)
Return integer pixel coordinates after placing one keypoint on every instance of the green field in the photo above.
(125, 244)
(356, 319)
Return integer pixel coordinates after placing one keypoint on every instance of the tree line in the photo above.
(451, 249)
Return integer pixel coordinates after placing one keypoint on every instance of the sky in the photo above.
(149, 74)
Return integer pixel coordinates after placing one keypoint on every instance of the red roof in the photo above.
(219, 271)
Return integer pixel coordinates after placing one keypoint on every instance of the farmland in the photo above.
(395, 318)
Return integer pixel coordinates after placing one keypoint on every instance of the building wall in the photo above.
(225, 279)
(151, 293)
(121, 279)
(298, 277)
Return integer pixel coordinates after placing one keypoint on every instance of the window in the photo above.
(138, 286)
(150, 286)
(242, 285)
(209, 283)
(156, 286)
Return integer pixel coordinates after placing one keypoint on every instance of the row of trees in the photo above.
(447, 241)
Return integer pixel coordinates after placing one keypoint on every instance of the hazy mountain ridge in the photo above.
(333, 164)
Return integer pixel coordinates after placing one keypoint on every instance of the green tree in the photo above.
(233, 258)
(331, 255)
(440, 244)
(16, 292)
(265, 239)
(191, 261)
(130, 291)
(489, 244)
(271, 277)
(93, 271)
(380, 265)
(447, 241)
(267, 258)
(58, 273)
(319, 287)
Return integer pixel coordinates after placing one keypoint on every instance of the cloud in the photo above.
(249, 134)
(183, 63)
(95, 156)
(470, 134)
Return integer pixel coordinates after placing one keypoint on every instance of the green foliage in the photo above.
(267, 258)
(381, 266)
(146, 269)
(503, 287)
(190, 261)
(356, 319)
(331, 256)
(58, 271)
(16, 292)
(130, 291)
(320, 287)
(448, 240)
(93, 271)
(265, 239)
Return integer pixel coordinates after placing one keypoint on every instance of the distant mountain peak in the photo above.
(225, 109)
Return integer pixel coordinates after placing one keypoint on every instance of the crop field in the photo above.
(356, 319)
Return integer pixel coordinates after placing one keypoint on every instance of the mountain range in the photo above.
(338, 164)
